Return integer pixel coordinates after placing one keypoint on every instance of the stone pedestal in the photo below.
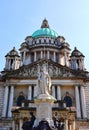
(44, 105)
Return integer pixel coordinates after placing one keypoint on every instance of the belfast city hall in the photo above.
(44, 85)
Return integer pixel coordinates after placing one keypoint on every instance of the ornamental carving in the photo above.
(31, 71)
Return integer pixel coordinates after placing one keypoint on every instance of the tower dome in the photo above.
(45, 31)
(76, 53)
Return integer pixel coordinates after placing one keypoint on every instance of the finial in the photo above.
(75, 48)
(13, 48)
(45, 23)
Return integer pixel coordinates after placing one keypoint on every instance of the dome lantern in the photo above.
(45, 24)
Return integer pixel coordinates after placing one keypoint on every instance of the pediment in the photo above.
(55, 70)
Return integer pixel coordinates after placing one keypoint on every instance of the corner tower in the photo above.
(12, 60)
(77, 60)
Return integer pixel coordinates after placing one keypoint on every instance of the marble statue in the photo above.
(44, 81)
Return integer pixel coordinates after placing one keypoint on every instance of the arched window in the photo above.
(68, 100)
(20, 99)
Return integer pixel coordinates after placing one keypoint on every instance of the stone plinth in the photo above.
(44, 105)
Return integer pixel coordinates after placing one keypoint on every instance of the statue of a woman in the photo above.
(44, 82)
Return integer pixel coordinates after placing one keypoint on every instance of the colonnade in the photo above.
(56, 92)
(56, 56)
(8, 101)
(77, 65)
(12, 63)
(53, 91)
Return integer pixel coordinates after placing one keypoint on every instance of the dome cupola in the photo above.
(45, 31)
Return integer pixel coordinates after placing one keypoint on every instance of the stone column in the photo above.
(47, 54)
(80, 64)
(35, 91)
(5, 101)
(77, 98)
(30, 58)
(13, 125)
(29, 92)
(65, 58)
(54, 56)
(59, 60)
(41, 54)
(9, 64)
(15, 64)
(83, 102)
(21, 61)
(53, 91)
(70, 127)
(11, 101)
(73, 125)
(58, 93)
(24, 56)
(6, 65)
(20, 124)
(66, 124)
(83, 63)
(35, 56)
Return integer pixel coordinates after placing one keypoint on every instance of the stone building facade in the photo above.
(70, 80)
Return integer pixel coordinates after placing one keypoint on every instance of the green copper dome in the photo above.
(45, 31)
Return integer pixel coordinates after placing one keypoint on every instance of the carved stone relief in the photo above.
(53, 70)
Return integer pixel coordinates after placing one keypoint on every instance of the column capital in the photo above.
(29, 84)
(12, 85)
(77, 85)
(59, 85)
(6, 83)
(83, 86)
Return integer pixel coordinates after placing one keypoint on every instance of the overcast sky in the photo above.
(20, 18)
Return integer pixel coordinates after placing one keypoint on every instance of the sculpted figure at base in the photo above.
(28, 125)
(43, 125)
(44, 81)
